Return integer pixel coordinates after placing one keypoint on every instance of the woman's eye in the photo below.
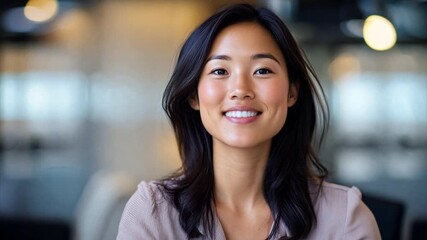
(263, 71)
(219, 72)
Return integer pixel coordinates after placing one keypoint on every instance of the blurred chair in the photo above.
(33, 229)
(389, 215)
(419, 229)
(100, 208)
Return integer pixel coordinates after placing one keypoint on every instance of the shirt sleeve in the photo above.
(360, 222)
(138, 219)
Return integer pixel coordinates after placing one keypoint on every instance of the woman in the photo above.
(246, 108)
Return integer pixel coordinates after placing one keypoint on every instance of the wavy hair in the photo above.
(292, 161)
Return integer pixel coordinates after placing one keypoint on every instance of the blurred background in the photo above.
(81, 122)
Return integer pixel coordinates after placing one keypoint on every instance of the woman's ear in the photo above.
(194, 102)
(293, 94)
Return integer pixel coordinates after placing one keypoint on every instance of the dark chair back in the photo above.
(419, 229)
(34, 229)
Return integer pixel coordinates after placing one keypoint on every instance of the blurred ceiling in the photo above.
(341, 21)
(29, 19)
(312, 21)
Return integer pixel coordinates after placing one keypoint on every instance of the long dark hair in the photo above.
(292, 162)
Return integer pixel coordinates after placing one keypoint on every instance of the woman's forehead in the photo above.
(247, 38)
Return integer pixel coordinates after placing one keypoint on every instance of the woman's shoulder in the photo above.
(341, 209)
(332, 190)
(333, 198)
(149, 215)
(149, 196)
(152, 191)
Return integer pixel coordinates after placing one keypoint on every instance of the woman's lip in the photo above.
(242, 108)
(242, 117)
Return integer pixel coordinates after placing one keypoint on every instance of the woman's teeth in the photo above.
(241, 114)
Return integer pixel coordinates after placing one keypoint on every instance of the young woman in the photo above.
(247, 110)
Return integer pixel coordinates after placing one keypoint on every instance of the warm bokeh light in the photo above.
(342, 65)
(379, 33)
(41, 10)
(74, 29)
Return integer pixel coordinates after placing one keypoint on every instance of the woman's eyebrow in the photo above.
(264, 55)
(253, 57)
(218, 57)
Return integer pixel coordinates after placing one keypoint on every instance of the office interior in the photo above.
(81, 122)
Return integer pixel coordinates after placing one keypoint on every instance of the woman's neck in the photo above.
(239, 176)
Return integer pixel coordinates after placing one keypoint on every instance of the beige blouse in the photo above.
(340, 215)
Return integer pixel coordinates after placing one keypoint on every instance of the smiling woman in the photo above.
(245, 105)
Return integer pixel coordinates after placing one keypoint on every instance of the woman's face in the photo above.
(243, 91)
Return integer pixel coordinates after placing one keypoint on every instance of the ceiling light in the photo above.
(379, 33)
(41, 10)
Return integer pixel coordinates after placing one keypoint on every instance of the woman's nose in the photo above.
(241, 88)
